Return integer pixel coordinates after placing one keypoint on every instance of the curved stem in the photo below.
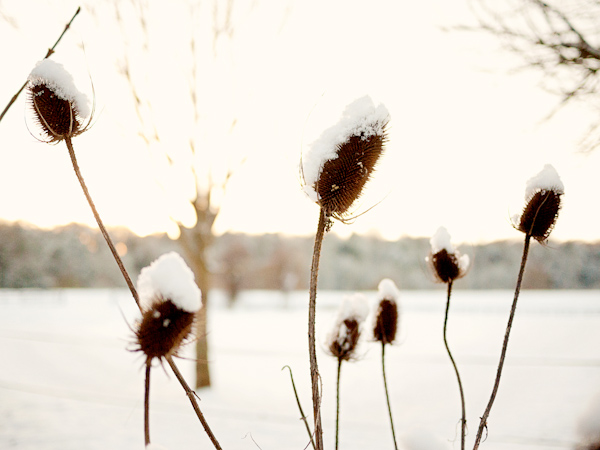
(463, 420)
(147, 405)
(314, 370)
(193, 400)
(100, 223)
(387, 396)
(483, 422)
(337, 404)
(303, 416)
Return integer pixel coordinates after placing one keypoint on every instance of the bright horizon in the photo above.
(465, 136)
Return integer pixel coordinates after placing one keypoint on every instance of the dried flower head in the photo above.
(447, 264)
(543, 202)
(343, 339)
(170, 299)
(59, 108)
(341, 161)
(386, 316)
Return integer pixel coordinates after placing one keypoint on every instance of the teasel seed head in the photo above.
(59, 108)
(386, 315)
(163, 329)
(447, 264)
(343, 340)
(169, 299)
(543, 202)
(343, 159)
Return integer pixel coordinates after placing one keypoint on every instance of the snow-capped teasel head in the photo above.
(543, 197)
(340, 162)
(385, 319)
(343, 339)
(58, 106)
(169, 278)
(447, 263)
(169, 299)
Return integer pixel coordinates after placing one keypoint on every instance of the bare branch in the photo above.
(48, 53)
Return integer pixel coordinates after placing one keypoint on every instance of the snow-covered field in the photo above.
(68, 382)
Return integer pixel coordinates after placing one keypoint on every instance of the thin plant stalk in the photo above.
(193, 400)
(337, 407)
(463, 420)
(314, 370)
(387, 396)
(147, 405)
(303, 416)
(48, 53)
(190, 393)
(483, 422)
(100, 223)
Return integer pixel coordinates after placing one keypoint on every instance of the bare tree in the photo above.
(208, 180)
(561, 39)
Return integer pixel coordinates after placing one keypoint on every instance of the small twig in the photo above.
(387, 396)
(314, 370)
(303, 416)
(50, 51)
(100, 223)
(463, 419)
(147, 405)
(483, 422)
(192, 396)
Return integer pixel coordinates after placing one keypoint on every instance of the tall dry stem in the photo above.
(314, 369)
(483, 422)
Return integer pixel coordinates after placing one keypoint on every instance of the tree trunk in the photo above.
(194, 244)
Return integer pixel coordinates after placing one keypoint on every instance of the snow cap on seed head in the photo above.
(386, 316)
(341, 160)
(543, 194)
(169, 278)
(446, 262)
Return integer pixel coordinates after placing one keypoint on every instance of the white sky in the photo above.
(465, 136)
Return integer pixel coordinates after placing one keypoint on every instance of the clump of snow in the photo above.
(169, 278)
(359, 118)
(546, 180)
(387, 290)
(55, 76)
(441, 241)
(353, 306)
(588, 426)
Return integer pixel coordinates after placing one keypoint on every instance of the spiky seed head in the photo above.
(164, 327)
(343, 178)
(445, 266)
(340, 162)
(344, 344)
(543, 203)
(58, 107)
(540, 214)
(386, 321)
(446, 263)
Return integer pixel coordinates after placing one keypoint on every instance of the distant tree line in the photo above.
(75, 256)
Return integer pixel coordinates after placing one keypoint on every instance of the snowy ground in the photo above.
(67, 381)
